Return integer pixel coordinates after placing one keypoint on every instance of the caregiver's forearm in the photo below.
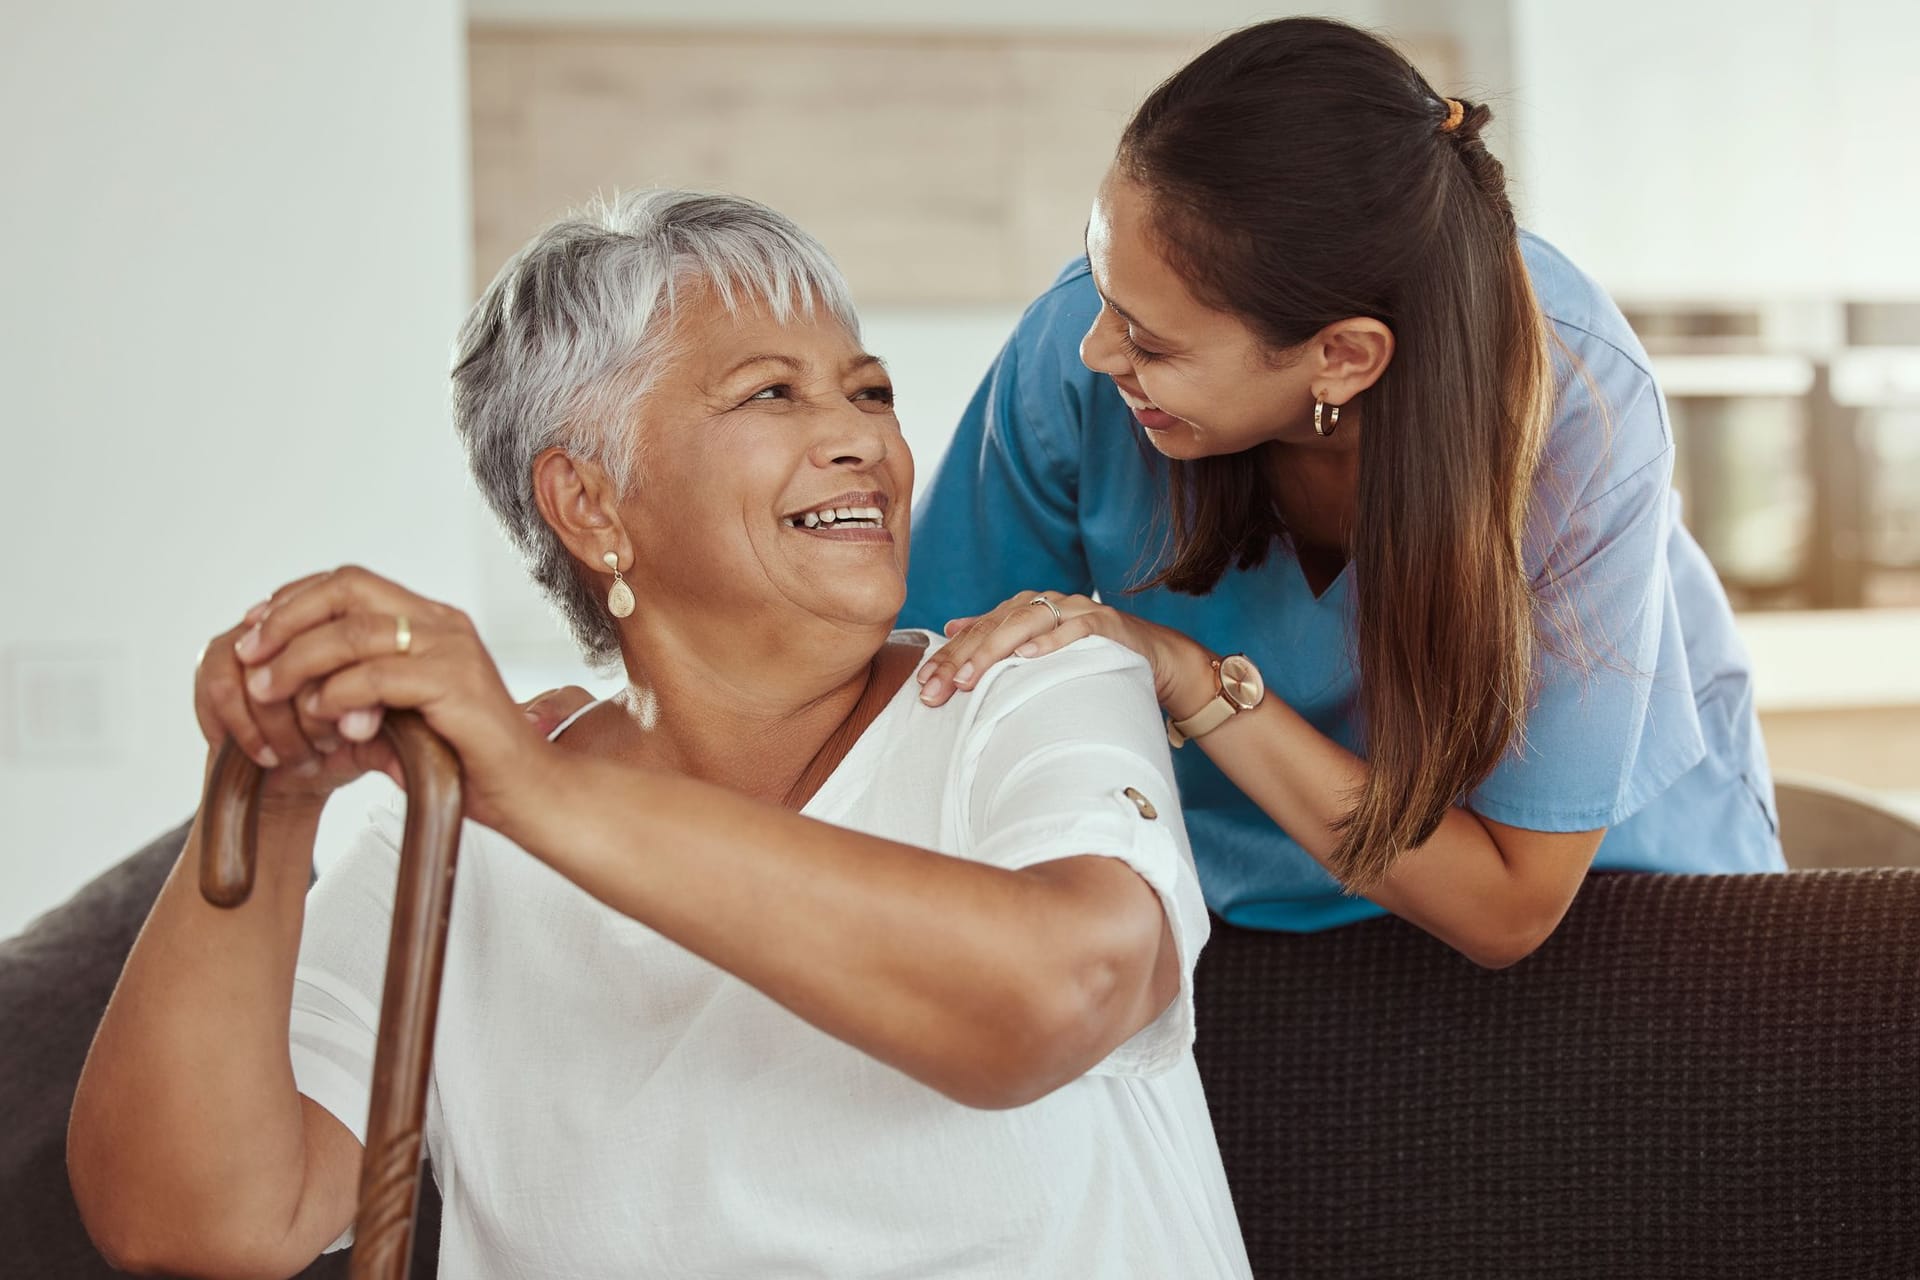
(186, 1146)
(1493, 902)
(991, 986)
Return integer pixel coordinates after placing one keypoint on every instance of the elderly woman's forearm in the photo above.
(992, 986)
(186, 1144)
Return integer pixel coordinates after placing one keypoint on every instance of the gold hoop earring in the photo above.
(619, 595)
(1324, 423)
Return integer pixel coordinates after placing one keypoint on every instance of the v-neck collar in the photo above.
(1334, 585)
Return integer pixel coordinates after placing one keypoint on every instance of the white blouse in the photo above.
(605, 1103)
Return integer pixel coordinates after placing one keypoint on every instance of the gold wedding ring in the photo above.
(402, 634)
(1052, 608)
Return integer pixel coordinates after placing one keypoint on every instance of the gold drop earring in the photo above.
(619, 595)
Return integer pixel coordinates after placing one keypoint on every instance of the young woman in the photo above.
(1381, 488)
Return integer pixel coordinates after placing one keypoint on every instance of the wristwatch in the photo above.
(1240, 689)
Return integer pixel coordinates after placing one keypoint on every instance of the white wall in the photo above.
(1705, 151)
(237, 247)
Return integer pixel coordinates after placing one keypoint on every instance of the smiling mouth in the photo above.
(837, 518)
(1143, 408)
(860, 516)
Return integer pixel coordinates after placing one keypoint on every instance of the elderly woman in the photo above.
(761, 967)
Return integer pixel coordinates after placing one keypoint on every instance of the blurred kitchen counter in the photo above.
(1839, 693)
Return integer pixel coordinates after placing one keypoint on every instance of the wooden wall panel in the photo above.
(1076, 97)
(938, 169)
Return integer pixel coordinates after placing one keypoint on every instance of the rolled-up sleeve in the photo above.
(1067, 758)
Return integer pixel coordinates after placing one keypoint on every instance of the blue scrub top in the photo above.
(1650, 733)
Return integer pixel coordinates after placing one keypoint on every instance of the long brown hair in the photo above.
(1301, 172)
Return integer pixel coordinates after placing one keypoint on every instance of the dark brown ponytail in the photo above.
(1301, 172)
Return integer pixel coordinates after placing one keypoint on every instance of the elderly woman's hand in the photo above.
(1034, 623)
(305, 757)
(331, 653)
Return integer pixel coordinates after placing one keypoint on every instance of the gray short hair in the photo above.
(565, 343)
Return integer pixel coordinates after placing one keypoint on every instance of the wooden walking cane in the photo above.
(390, 1169)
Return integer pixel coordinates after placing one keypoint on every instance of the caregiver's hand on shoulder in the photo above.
(548, 711)
(1026, 627)
(334, 651)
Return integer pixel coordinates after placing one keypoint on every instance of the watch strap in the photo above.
(1201, 722)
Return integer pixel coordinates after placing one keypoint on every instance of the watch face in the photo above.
(1241, 682)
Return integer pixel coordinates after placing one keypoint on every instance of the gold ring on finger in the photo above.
(402, 635)
(1052, 608)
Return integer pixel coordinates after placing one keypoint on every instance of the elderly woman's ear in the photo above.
(581, 504)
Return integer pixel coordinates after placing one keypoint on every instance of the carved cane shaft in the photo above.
(417, 947)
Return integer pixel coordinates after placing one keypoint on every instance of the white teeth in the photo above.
(827, 517)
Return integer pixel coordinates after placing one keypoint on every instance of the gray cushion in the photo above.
(55, 979)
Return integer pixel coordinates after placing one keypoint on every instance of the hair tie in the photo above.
(1456, 112)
